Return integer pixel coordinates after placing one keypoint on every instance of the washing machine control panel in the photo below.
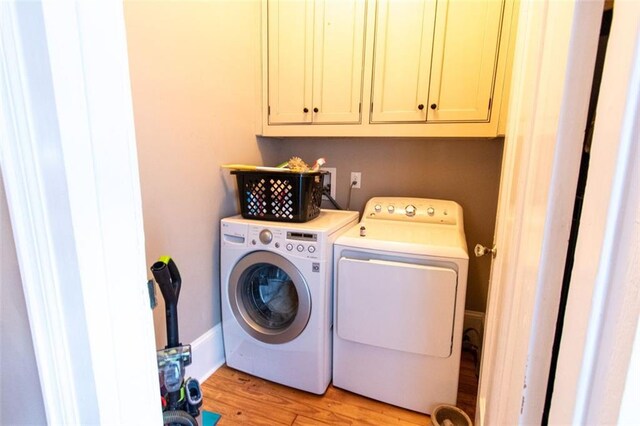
(411, 209)
(292, 242)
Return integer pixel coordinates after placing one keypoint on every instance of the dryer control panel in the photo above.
(423, 210)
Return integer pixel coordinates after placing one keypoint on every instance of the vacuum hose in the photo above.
(178, 417)
(168, 278)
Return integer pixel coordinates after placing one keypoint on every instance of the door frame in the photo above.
(603, 305)
(553, 68)
(69, 164)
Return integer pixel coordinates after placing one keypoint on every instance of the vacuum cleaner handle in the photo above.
(166, 274)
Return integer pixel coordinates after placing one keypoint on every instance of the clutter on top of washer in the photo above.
(294, 164)
(289, 192)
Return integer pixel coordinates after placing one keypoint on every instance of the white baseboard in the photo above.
(207, 354)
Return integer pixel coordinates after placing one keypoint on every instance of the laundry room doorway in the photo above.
(542, 62)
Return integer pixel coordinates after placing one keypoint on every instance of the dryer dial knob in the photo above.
(266, 236)
(391, 208)
(431, 211)
(377, 208)
(410, 210)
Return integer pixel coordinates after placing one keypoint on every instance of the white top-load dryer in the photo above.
(400, 279)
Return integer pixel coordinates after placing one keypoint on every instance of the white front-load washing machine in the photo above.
(276, 293)
(400, 279)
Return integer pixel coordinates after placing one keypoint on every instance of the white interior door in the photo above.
(553, 70)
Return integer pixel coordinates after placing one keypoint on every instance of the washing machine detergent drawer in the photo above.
(396, 305)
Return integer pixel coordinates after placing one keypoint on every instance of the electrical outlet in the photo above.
(330, 181)
(357, 178)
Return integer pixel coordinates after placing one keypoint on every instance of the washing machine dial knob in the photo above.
(377, 208)
(266, 236)
(431, 211)
(391, 208)
(410, 210)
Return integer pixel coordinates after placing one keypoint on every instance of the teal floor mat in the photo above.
(209, 418)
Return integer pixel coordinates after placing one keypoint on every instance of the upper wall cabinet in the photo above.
(419, 67)
(315, 59)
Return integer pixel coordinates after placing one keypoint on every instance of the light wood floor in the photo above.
(244, 399)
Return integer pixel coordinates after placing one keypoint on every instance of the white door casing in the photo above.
(69, 164)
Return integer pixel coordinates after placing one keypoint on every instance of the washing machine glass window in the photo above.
(269, 297)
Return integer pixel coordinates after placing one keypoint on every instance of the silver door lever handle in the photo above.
(481, 250)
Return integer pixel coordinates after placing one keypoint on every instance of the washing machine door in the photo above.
(269, 297)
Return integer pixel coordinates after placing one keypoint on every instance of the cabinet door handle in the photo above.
(420, 107)
(315, 110)
(434, 106)
(305, 110)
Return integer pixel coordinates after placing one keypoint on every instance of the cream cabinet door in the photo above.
(402, 59)
(338, 61)
(315, 61)
(290, 61)
(466, 43)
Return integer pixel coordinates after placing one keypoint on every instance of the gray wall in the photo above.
(463, 170)
(194, 77)
(20, 395)
(195, 69)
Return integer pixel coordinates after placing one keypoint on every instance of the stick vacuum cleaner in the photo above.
(181, 399)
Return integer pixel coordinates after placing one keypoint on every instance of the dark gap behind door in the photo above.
(577, 209)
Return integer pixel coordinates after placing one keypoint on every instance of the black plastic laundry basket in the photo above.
(279, 196)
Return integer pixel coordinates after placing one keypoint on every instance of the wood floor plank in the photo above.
(248, 400)
(269, 396)
(321, 408)
(306, 421)
(234, 406)
(234, 415)
(274, 395)
(391, 411)
(238, 410)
